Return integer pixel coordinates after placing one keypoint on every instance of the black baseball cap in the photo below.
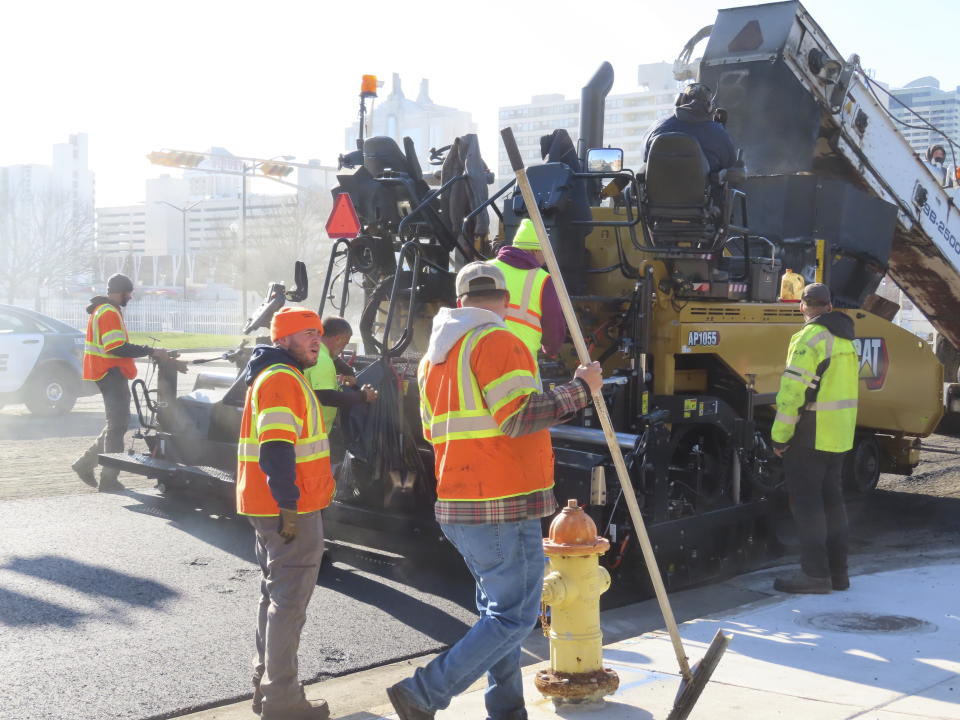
(816, 294)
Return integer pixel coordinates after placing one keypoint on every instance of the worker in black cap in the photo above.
(813, 430)
(694, 116)
(108, 360)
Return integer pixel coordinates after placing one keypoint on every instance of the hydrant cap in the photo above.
(573, 532)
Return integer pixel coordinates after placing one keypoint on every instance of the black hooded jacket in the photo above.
(694, 120)
(839, 324)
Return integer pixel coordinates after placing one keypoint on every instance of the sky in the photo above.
(282, 77)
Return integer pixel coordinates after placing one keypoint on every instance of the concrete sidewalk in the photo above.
(887, 649)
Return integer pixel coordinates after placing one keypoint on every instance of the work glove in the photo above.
(288, 525)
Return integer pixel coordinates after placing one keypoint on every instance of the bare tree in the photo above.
(277, 235)
(45, 240)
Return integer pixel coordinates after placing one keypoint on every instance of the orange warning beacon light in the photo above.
(368, 86)
(343, 221)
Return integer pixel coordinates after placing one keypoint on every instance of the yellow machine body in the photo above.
(693, 342)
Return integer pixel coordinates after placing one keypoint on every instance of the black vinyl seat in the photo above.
(684, 204)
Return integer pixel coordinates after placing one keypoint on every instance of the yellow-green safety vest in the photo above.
(525, 310)
(822, 378)
(323, 376)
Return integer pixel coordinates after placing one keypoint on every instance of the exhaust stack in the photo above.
(592, 99)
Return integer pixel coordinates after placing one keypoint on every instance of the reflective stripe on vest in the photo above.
(96, 345)
(473, 419)
(819, 387)
(525, 308)
(800, 375)
(97, 360)
(313, 445)
(832, 405)
(474, 460)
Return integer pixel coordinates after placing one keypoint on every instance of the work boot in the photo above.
(800, 582)
(257, 703)
(406, 707)
(302, 709)
(840, 581)
(109, 482)
(84, 471)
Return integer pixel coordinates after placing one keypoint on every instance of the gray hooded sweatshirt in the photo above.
(451, 324)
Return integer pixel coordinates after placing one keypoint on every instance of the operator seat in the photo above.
(684, 204)
(389, 179)
(381, 154)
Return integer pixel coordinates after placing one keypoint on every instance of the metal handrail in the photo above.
(335, 252)
(426, 204)
(406, 336)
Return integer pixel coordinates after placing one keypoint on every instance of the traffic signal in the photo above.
(175, 158)
(275, 169)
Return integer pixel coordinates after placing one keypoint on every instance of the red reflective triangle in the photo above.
(343, 221)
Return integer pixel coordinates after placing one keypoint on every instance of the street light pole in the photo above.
(183, 230)
(243, 239)
(269, 169)
(246, 169)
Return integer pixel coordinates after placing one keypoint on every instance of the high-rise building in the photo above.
(940, 108)
(67, 181)
(46, 220)
(429, 125)
(627, 118)
(196, 220)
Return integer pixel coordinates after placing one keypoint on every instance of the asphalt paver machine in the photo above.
(675, 275)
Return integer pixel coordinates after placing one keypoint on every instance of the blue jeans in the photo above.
(506, 560)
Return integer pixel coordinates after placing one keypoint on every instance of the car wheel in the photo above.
(52, 391)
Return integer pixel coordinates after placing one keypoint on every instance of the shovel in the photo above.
(693, 680)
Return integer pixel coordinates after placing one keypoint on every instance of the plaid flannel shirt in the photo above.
(541, 411)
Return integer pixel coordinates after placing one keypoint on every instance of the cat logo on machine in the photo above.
(703, 338)
(874, 361)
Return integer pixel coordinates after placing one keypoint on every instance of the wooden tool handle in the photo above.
(533, 212)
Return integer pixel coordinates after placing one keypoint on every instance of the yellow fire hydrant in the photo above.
(572, 590)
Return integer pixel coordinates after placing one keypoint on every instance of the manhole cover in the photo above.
(869, 623)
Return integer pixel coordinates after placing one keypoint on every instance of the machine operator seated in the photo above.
(693, 116)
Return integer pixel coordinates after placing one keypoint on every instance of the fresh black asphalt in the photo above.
(138, 606)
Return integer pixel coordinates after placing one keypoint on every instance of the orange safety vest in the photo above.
(486, 378)
(280, 405)
(106, 331)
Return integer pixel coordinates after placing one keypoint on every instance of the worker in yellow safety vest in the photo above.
(813, 429)
(534, 314)
(331, 373)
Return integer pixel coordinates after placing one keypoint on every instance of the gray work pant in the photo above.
(116, 401)
(288, 576)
